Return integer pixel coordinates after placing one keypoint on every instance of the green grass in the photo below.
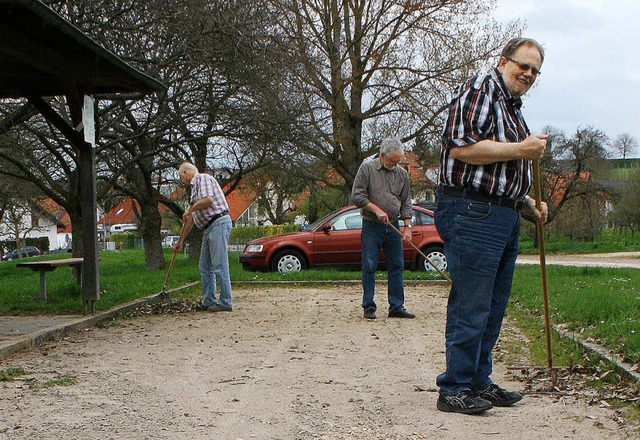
(598, 303)
(10, 373)
(564, 351)
(16, 373)
(607, 241)
(62, 381)
(123, 278)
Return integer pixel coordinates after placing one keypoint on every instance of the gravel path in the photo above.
(286, 364)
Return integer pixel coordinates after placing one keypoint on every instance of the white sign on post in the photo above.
(88, 121)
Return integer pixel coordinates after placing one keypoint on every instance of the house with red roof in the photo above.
(36, 219)
(123, 213)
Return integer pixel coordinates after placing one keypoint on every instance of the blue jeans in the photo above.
(376, 236)
(481, 246)
(214, 262)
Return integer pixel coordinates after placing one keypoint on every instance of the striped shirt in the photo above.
(203, 185)
(484, 109)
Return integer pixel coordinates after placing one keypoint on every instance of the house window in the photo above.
(35, 220)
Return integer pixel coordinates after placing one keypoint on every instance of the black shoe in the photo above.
(219, 308)
(369, 314)
(402, 313)
(498, 396)
(201, 307)
(465, 402)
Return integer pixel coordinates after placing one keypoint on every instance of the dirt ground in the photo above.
(286, 364)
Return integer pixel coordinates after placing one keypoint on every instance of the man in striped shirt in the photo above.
(209, 211)
(485, 176)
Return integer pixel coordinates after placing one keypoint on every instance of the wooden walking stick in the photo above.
(543, 264)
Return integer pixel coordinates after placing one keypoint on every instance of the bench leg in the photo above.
(89, 305)
(43, 285)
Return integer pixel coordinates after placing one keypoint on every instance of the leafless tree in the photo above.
(625, 144)
(626, 202)
(572, 167)
(36, 156)
(221, 110)
(277, 189)
(366, 69)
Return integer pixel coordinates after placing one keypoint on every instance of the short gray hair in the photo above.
(391, 144)
(187, 166)
(513, 45)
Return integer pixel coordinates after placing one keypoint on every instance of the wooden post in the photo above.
(88, 198)
(90, 272)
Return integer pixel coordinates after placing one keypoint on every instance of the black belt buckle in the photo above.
(216, 217)
(519, 205)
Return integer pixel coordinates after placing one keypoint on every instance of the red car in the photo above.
(334, 241)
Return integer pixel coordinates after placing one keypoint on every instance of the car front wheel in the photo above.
(436, 256)
(288, 261)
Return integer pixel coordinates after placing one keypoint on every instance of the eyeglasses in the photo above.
(525, 66)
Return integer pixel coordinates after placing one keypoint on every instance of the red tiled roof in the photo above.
(239, 200)
(64, 219)
(57, 212)
(123, 212)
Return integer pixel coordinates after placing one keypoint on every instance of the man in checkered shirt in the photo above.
(209, 211)
(485, 177)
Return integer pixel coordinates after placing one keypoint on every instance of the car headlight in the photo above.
(253, 248)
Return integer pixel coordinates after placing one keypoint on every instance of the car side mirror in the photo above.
(326, 227)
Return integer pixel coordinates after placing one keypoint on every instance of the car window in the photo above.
(421, 218)
(347, 220)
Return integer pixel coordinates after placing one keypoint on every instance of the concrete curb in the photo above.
(621, 365)
(340, 283)
(39, 337)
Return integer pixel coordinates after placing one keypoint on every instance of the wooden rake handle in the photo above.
(421, 253)
(173, 259)
(543, 263)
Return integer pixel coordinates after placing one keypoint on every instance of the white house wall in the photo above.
(45, 228)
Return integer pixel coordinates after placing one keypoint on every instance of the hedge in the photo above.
(244, 234)
(41, 243)
(127, 239)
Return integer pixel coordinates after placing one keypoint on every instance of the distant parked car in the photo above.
(168, 242)
(29, 251)
(334, 241)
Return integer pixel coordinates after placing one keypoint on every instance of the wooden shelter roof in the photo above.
(42, 54)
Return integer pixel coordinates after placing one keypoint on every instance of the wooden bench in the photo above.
(47, 266)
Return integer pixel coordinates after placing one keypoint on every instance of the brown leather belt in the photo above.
(452, 191)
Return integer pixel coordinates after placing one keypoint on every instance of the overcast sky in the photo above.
(591, 72)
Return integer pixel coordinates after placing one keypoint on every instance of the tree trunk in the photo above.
(195, 243)
(150, 230)
(76, 237)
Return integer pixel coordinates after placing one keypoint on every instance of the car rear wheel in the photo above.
(288, 261)
(436, 256)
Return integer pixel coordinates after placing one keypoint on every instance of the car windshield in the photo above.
(319, 222)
